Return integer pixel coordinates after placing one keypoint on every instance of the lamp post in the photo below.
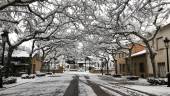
(89, 64)
(86, 68)
(166, 41)
(101, 65)
(85, 64)
(4, 39)
(116, 66)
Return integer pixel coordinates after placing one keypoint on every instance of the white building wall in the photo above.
(159, 47)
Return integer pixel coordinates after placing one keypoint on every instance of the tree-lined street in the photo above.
(86, 47)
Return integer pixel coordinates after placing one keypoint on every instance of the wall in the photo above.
(36, 63)
(136, 68)
(121, 58)
(159, 47)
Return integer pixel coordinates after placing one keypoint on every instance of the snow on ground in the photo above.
(114, 86)
(157, 90)
(85, 90)
(22, 81)
(57, 84)
(43, 86)
(110, 92)
(19, 81)
(141, 85)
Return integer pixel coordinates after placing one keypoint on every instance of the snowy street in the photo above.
(74, 84)
(84, 48)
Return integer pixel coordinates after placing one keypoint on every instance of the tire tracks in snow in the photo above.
(98, 90)
(129, 91)
(149, 94)
(72, 89)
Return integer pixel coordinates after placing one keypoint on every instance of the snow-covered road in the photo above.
(43, 86)
(71, 84)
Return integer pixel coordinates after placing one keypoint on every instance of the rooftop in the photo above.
(20, 53)
(139, 53)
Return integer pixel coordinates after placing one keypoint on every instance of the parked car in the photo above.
(157, 81)
(20, 73)
(117, 75)
(31, 76)
(40, 74)
(49, 73)
(9, 80)
(26, 76)
(132, 77)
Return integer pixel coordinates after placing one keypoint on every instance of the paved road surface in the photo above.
(71, 85)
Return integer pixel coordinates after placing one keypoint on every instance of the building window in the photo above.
(34, 68)
(123, 54)
(161, 69)
(141, 67)
(119, 55)
(123, 68)
(159, 43)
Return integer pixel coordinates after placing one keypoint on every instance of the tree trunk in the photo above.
(115, 62)
(102, 68)
(129, 63)
(30, 58)
(48, 68)
(152, 58)
(115, 66)
(8, 63)
(30, 66)
(107, 68)
(107, 65)
(85, 65)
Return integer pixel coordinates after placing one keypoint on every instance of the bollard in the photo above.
(168, 77)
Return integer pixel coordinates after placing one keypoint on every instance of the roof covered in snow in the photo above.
(139, 53)
(80, 61)
(20, 53)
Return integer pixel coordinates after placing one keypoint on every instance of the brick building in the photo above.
(137, 66)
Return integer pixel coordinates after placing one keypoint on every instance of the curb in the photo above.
(13, 86)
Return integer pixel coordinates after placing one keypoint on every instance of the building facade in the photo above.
(36, 63)
(139, 65)
(135, 65)
(140, 61)
(161, 54)
(21, 62)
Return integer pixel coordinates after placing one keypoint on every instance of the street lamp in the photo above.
(85, 64)
(102, 63)
(86, 58)
(4, 39)
(166, 41)
(115, 61)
